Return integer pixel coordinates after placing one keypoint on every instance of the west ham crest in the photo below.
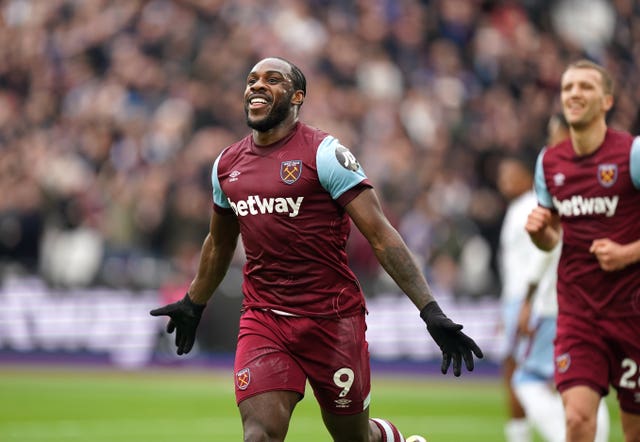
(607, 174)
(563, 362)
(243, 377)
(290, 171)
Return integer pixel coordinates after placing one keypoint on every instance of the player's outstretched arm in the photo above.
(215, 257)
(184, 319)
(455, 345)
(395, 257)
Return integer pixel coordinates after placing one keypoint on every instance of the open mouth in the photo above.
(258, 103)
(574, 108)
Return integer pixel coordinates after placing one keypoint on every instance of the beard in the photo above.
(279, 112)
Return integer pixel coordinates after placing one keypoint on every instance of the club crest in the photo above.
(563, 362)
(290, 171)
(243, 378)
(607, 174)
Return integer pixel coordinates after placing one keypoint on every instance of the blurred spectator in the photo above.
(112, 111)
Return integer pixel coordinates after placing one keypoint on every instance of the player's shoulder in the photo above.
(238, 147)
(618, 139)
(619, 135)
(556, 153)
(234, 151)
(312, 135)
(309, 130)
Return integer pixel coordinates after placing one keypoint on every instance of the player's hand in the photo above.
(539, 218)
(611, 255)
(454, 344)
(184, 319)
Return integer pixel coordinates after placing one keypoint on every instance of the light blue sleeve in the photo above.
(219, 198)
(338, 169)
(542, 192)
(634, 163)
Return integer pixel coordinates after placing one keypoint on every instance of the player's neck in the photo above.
(276, 133)
(587, 140)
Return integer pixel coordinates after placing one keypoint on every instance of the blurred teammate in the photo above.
(291, 191)
(533, 379)
(588, 191)
(516, 252)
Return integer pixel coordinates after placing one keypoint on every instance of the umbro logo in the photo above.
(558, 179)
(233, 176)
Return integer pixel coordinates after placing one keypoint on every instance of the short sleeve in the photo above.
(542, 192)
(634, 162)
(338, 169)
(219, 198)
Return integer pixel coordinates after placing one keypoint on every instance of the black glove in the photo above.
(453, 343)
(185, 317)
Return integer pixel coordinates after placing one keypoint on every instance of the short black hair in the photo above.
(297, 77)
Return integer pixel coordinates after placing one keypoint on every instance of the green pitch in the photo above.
(44, 404)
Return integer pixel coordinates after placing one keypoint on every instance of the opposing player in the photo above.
(589, 197)
(516, 252)
(290, 191)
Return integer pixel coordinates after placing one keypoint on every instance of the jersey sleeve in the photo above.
(542, 192)
(219, 198)
(338, 169)
(634, 162)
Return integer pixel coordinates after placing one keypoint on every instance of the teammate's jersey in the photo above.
(289, 199)
(596, 196)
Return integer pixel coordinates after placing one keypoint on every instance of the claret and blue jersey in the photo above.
(289, 200)
(596, 196)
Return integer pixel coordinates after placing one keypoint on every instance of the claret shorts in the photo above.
(282, 352)
(599, 352)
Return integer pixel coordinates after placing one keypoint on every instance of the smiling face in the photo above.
(270, 97)
(583, 96)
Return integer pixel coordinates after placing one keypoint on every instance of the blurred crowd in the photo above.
(113, 111)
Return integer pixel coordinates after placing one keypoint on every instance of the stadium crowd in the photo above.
(112, 112)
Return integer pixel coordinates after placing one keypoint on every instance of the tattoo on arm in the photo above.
(401, 266)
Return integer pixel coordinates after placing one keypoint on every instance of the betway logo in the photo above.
(577, 205)
(255, 205)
